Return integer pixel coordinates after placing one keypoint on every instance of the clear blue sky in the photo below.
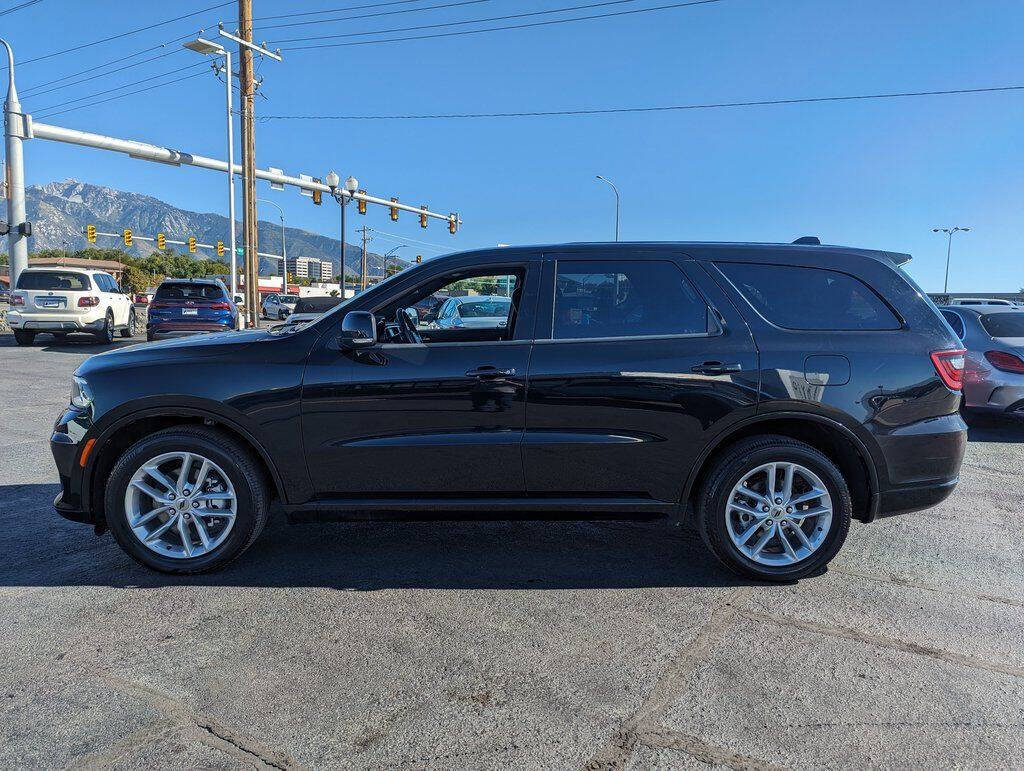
(872, 173)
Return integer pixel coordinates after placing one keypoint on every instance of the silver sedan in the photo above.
(994, 373)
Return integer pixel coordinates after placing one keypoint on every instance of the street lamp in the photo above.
(949, 245)
(208, 47)
(603, 179)
(284, 254)
(389, 253)
(351, 186)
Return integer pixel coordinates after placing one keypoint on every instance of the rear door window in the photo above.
(802, 298)
(1009, 324)
(625, 298)
(54, 281)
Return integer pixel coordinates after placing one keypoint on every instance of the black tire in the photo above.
(60, 337)
(150, 336)
(237, 463)
(21, 337)
(129, 331)
(745, 456)
(106, 334)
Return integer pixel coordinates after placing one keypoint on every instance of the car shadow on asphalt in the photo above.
(73, 344)
(984, 428)
(45, 550)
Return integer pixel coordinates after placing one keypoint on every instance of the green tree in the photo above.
(134, 279)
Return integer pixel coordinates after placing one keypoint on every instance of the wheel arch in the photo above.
(837, 441)
(125, 431)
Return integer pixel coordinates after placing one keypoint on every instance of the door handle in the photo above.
(716, 368)
(489, 372)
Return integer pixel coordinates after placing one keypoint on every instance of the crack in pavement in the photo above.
(899, 581)
(846, 633)
(203, 728)
(713, 755)
(616, 753)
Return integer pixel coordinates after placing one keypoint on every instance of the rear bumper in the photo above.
(159, 327)
(56, 322)
(908, 499)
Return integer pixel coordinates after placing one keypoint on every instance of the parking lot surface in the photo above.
(492, 645)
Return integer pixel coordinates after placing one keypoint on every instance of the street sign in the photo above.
(302, 190)
(276, 185)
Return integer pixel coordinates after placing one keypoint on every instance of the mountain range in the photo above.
(59, 212)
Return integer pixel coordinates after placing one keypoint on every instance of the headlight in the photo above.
(81, 394)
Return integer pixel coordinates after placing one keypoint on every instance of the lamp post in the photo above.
(207, 47)
(603, 179)
(351, 186)
(14, 130)
(949, 246)
(284, 254)
(389, 253)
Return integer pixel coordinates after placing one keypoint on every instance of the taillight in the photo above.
(1007, 362)
(950, 366)
(17, 299)
(220, 307)
(88, 302)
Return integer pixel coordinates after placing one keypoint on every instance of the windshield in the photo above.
(54, 280)
(184, 291)
(1009, 324)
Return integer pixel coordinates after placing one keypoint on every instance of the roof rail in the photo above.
(808, 240)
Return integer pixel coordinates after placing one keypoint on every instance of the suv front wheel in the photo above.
(775, 509)
(185, 500)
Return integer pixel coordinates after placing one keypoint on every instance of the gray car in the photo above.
(994, 373)
(474, 312)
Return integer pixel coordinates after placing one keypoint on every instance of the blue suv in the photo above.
(191, 305)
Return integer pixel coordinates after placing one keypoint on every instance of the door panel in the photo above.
(626, 417)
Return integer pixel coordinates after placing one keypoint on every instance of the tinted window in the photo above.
(183, 291)
(1009, 324)
(107, 283)
(55, 280)
(625, 299)
(478, 309)
(316, 304)
(954, 321)
(809, 298)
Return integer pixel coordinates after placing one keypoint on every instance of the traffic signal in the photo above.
(361, 203)
(394, 210)
(127, 236)
(453, 223)
(419, 258)
(161, 241)
(423, 217)
(318, 195)
(220, 248)
(192, 244)
(90, 234)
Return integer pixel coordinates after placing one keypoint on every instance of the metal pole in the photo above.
(231, 178)
(14, 130)
(284, 254)
(603, 179)
(949, 248)
(341, 203)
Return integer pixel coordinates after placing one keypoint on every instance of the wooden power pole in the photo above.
(249, 217)
(362, 262)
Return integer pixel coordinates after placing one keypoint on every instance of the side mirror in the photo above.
(358, 330)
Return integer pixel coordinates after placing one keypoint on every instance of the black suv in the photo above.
(770, 392)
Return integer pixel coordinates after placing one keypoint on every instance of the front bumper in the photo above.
(66, 444)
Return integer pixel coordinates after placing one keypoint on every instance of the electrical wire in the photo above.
(31, 92)
(19, 7)
(92, 96)
(334, 10)
(396, 237)
(372, 15)
(509, 27)
(122, 96)
(459, 23)
(615, 110)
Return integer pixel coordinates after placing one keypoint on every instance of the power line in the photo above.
(122, 96)
(613, 110)
(460, 23)
(335, 10)
(19, 7)
(395, 237)
(37, 92)
(372, 15)
(125, 34)
(512, 26)
(90, 97)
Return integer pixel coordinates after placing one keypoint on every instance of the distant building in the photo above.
(312, 268)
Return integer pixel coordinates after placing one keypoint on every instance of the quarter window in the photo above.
(809, 298)
(627, 298)
(954, 321)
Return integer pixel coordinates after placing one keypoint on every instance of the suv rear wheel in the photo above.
(185, 500)
(106, 333)
(129, 331)
(22, 337)
(775, 509)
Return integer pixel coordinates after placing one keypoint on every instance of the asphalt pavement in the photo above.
(497, 645)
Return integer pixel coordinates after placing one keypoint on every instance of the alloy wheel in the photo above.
(180, 505)
(779, 514)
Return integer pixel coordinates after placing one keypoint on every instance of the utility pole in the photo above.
(949, 247)
(362, 263)
(14, 130)
(246, 83)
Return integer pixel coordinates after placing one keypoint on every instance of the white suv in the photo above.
(61, 300)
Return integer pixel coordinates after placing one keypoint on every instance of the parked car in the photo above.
(310, 308)
(5, 296)
(994, 372)
(768, 393)
(141, 298)
(190, 305)
(474, 312)
(279, 306)
(980, 301)
(63, 301)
